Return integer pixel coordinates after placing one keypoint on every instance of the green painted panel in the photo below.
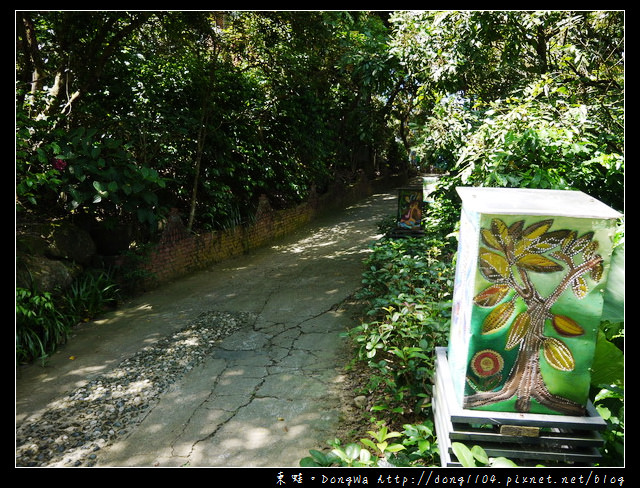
(528, 298)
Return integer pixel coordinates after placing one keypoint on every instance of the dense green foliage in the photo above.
(408, 286)
(122, 115)
(44, 320)
(519, 99)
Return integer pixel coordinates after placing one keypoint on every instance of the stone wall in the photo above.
(179, 253)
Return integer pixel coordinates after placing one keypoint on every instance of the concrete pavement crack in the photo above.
(280, 337)
(282, 365)
(233, 413)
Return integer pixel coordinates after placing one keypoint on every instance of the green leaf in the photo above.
(369, 443)
(308, 462)
(502, 462)
(319, 456)
(352, 451)
(608, 363)
(464, 455)
(365, 456)
(394, 448)
(604, 412)
(480, 454)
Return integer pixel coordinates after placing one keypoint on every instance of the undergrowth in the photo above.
(44, 320)
(407, 285)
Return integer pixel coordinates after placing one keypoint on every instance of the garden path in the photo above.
(265, 394)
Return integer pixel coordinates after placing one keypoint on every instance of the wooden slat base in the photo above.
(404, 233)
(526, 439)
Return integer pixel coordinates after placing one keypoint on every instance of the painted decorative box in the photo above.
(410, 206)
(528, 296)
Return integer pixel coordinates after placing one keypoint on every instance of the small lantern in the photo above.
(528, 297)
(428, 187)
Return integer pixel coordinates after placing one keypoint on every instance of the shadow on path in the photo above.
(263, 395)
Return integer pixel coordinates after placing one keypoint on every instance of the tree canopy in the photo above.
(121, 116)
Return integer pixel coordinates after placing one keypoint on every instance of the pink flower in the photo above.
(59, 164)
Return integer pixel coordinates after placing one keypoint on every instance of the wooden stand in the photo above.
(405, 233)
(526, 439)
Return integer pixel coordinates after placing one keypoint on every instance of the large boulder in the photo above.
(71, 243)
(56, 240)
(44, 274)
(50, 255)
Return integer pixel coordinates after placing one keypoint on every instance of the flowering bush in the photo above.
(59, 164)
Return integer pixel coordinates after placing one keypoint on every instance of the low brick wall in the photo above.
(179, 253)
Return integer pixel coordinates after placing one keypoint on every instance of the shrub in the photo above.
(40, 327)
(408, 284)
(44, 320)
(89, 295)
(409, 266)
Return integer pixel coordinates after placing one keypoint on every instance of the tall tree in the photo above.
(79, 46)
(519, 98)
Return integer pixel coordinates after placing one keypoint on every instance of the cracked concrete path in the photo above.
(265, 395)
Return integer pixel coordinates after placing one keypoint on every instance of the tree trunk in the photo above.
(202, 133)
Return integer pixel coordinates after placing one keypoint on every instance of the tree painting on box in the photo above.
(532, 308)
